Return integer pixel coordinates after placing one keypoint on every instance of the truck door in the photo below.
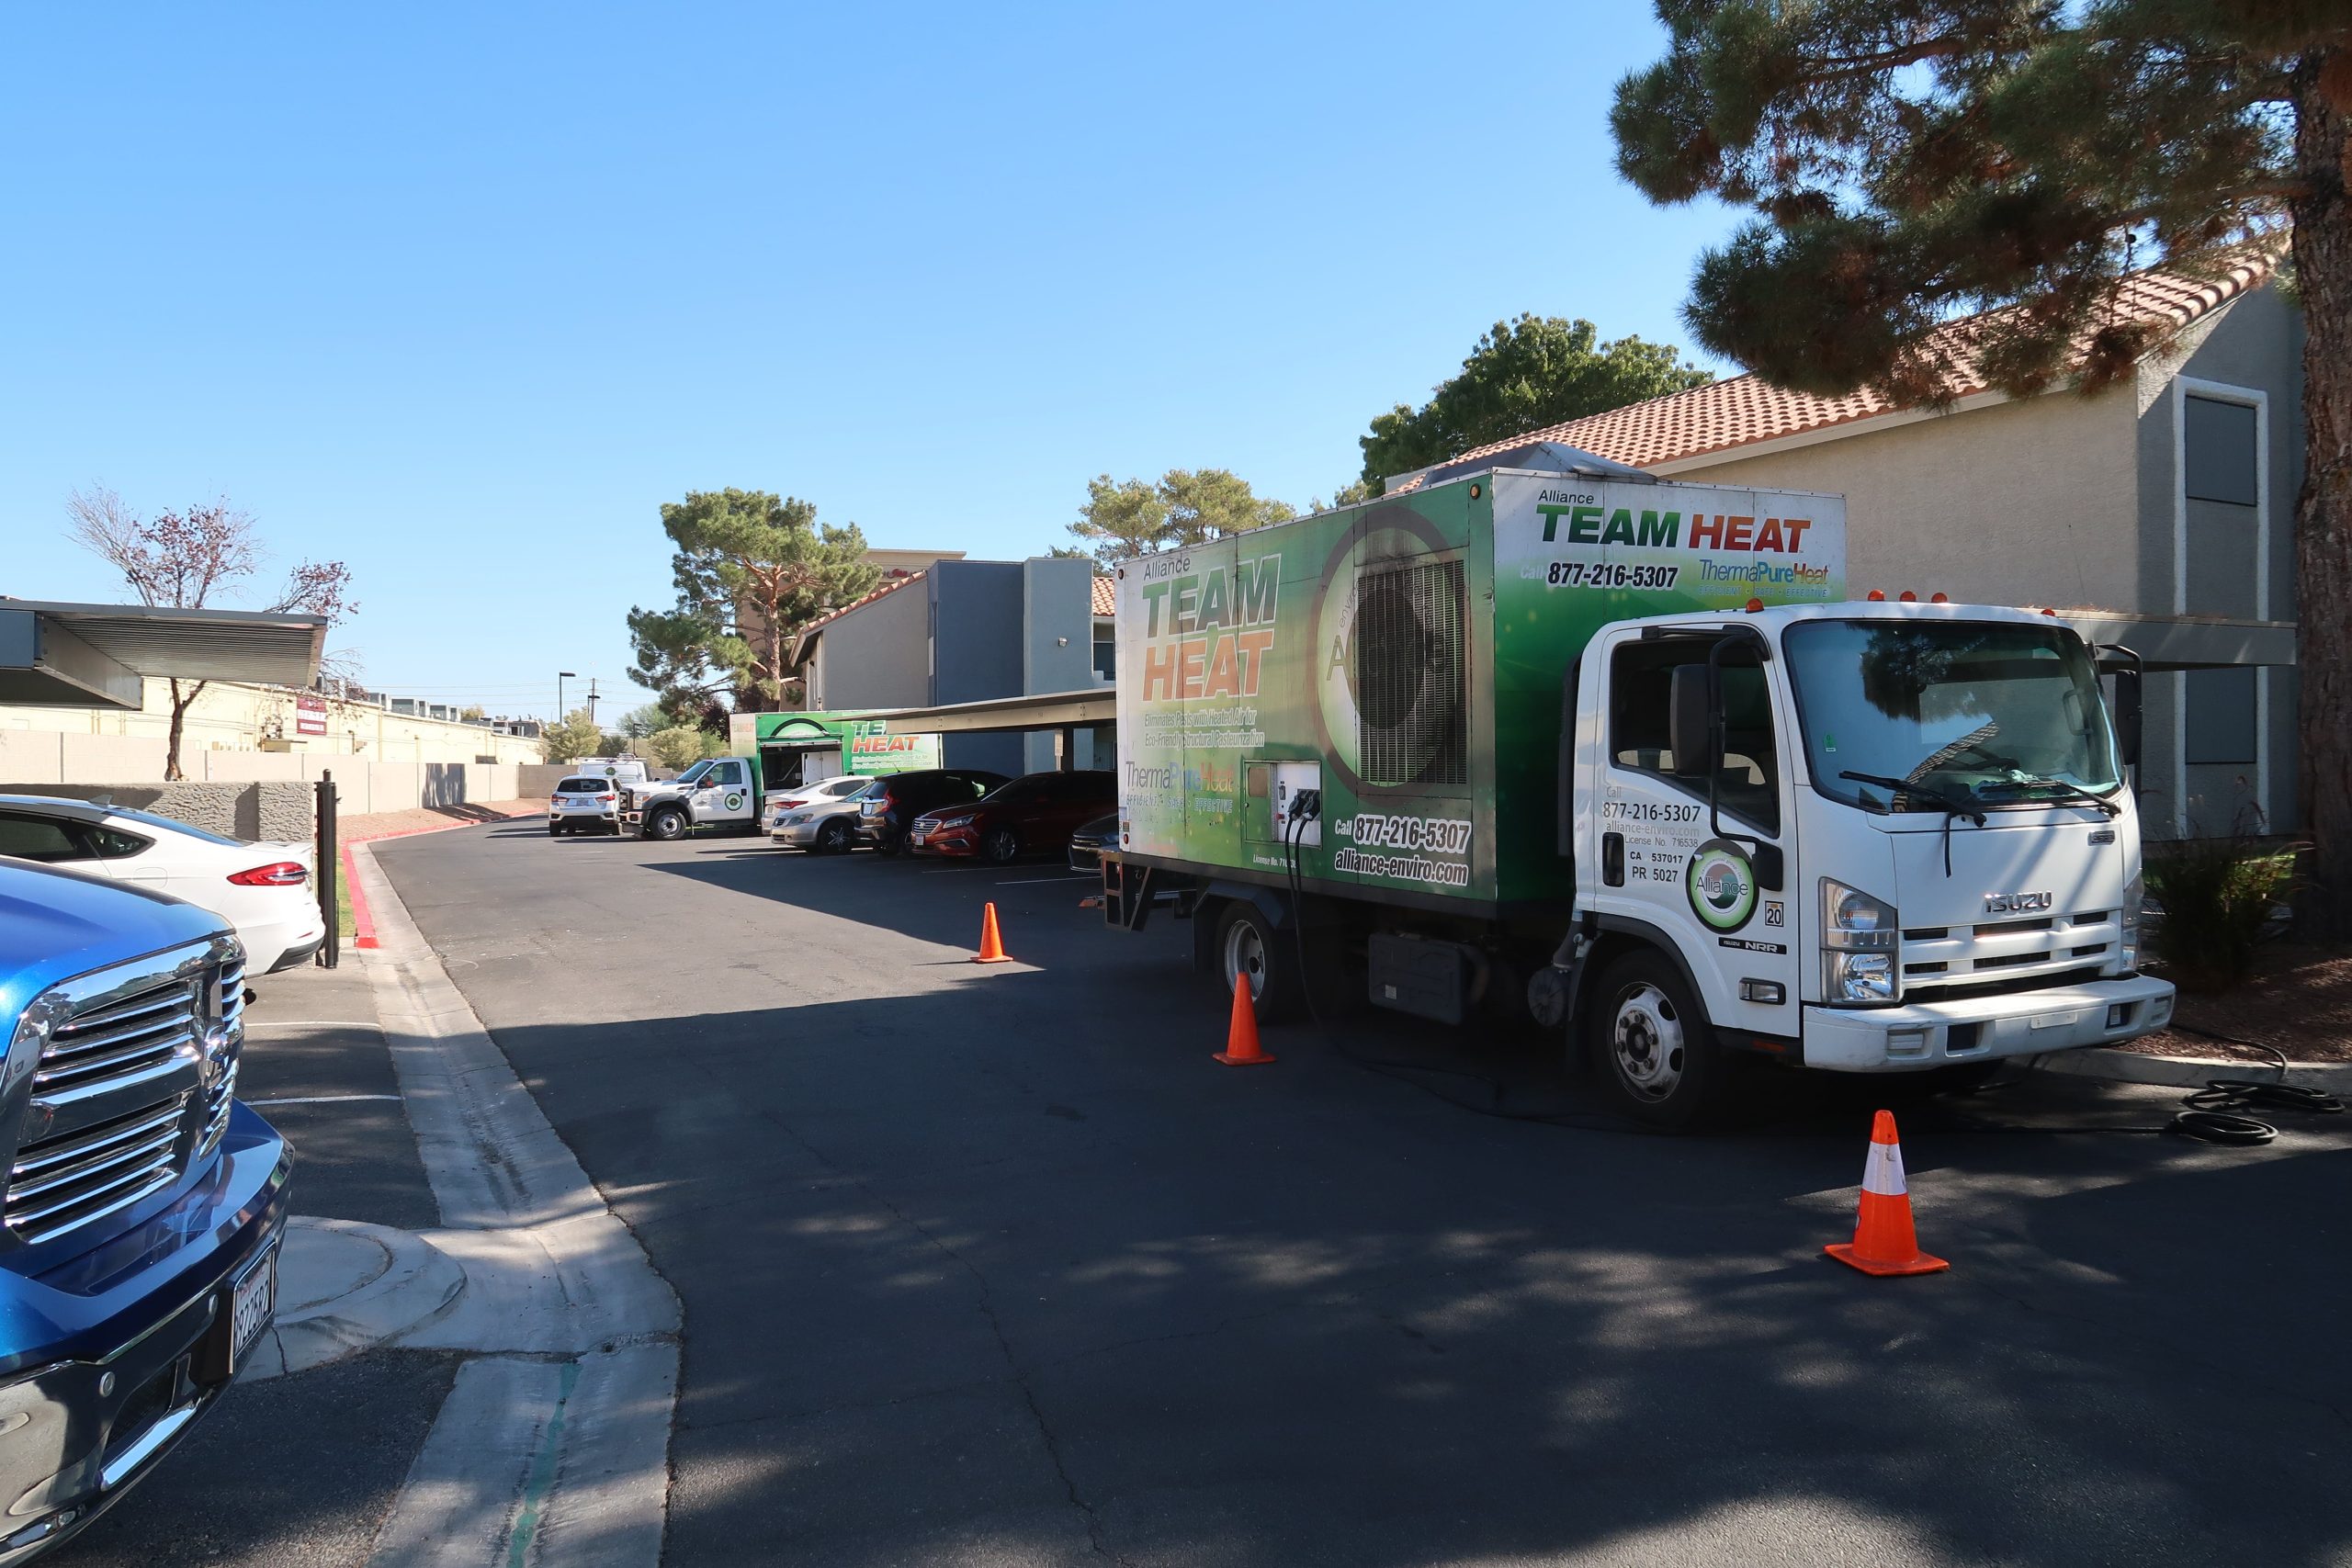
(725, 794)
(1662, 863)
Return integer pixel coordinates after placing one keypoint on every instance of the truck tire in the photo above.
(1000, 846)
(1248, 944)
(832, 838)
(665, 822)
(1653, 1049)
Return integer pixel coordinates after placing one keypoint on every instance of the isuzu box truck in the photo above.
(1561, 738)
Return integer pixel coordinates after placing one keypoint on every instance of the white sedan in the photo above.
(262, 889)
(823, 792)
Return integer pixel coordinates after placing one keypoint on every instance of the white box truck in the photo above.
(1623, 753)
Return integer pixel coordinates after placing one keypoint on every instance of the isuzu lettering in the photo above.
(1622, 753)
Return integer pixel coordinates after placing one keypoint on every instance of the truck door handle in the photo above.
(1612, 859)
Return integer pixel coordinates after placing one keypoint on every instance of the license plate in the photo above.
(917, 838)
(252, 1300)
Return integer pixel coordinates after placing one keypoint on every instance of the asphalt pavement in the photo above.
(995, 1265)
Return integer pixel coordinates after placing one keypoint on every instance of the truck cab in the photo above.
(1860, 837)
(717, 792)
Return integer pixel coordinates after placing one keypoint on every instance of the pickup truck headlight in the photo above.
(1859, 937)
(2134, 892)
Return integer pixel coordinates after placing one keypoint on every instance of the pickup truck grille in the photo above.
(62, 1182)
(122, 1101)
(2019, 954)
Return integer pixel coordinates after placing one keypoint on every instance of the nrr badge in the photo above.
(1722, 884)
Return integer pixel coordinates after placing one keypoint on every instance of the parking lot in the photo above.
(996, 1264)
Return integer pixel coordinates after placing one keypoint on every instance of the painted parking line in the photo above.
(312, 1023)
(321, 1098)
(1033, 881)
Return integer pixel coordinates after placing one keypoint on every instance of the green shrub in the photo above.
(2217, 894)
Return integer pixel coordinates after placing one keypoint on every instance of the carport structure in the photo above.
(1064, 713)
(59, 655)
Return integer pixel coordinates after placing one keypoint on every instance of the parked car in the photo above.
(826, 825)
(1086, 845)
(1034, 814)
(263, 889)
(822, 791)
(145, 1203)
(882, 817)
(585, 803)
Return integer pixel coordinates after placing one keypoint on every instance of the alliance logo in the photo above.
(1722, 886)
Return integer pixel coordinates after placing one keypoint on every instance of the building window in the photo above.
(2220, 717)
(1106, 650)
(2220, 454)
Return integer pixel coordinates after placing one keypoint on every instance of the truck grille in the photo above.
(122, 1103)
(121, 1042)
(62, 1182)
(1943, 961)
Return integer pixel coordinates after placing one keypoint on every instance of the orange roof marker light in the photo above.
(1754, 605)
(1940, 599)
(1878, 595)
(1908, 597)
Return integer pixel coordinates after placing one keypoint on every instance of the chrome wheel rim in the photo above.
(1244, 954)
(1646, 1044)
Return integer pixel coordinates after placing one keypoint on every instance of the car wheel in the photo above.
(832, 838)
(555, 829)
(665, 822)
(1653, 1046)
(1001, 845)
(889, 842)
(1250, 945)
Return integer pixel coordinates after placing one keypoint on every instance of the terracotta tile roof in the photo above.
(1746, 409)
(889, 585)
(1106, 597)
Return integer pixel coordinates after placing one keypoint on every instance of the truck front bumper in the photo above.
(131, 1344)
(1919, 1035)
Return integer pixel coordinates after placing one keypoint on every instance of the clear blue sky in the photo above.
(461, 294)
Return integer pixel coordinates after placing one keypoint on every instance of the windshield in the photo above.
(691, 774)
(1985, 712)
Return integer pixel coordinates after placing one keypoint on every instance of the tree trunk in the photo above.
(2324, 511)
(182, 699)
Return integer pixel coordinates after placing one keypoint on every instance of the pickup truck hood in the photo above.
(56, 924)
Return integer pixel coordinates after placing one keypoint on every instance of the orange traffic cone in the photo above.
(1241, 1047)
(1884, 1241)
(991, 945)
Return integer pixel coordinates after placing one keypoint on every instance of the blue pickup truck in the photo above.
(144, 1204)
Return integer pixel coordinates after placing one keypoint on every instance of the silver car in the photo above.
(821, 819)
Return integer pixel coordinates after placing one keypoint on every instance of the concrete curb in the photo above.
(2191, 1072)
(362, 924)
(345, 1287)
(523, 1448)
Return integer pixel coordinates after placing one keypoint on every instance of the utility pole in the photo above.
(591, 699)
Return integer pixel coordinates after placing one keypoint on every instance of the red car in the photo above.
(1034, 814)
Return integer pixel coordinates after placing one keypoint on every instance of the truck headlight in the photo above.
(2134, 893)
(1859, 937)
(1858, 977)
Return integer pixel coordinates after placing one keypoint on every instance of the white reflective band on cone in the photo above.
(1883, 1174)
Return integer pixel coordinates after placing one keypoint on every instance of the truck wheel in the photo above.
(1249, 944)
(665, 822)
(1653, 1049)
(832, 838)
(1001, 846)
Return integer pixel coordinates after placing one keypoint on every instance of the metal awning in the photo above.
(94, 655)
(1050, 710)
(2188, 642)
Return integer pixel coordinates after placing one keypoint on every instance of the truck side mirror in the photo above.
(2127, 716)
(1689, 731)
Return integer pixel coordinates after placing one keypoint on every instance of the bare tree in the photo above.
(186, 561)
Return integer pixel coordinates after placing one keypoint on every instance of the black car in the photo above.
(1087, 844)
(883, 816)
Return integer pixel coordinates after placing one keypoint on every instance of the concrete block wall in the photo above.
(256, 810)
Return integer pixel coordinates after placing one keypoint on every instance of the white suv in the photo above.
(584, 805)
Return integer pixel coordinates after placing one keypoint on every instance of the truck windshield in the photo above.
(691, 774)
(1990, 713)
